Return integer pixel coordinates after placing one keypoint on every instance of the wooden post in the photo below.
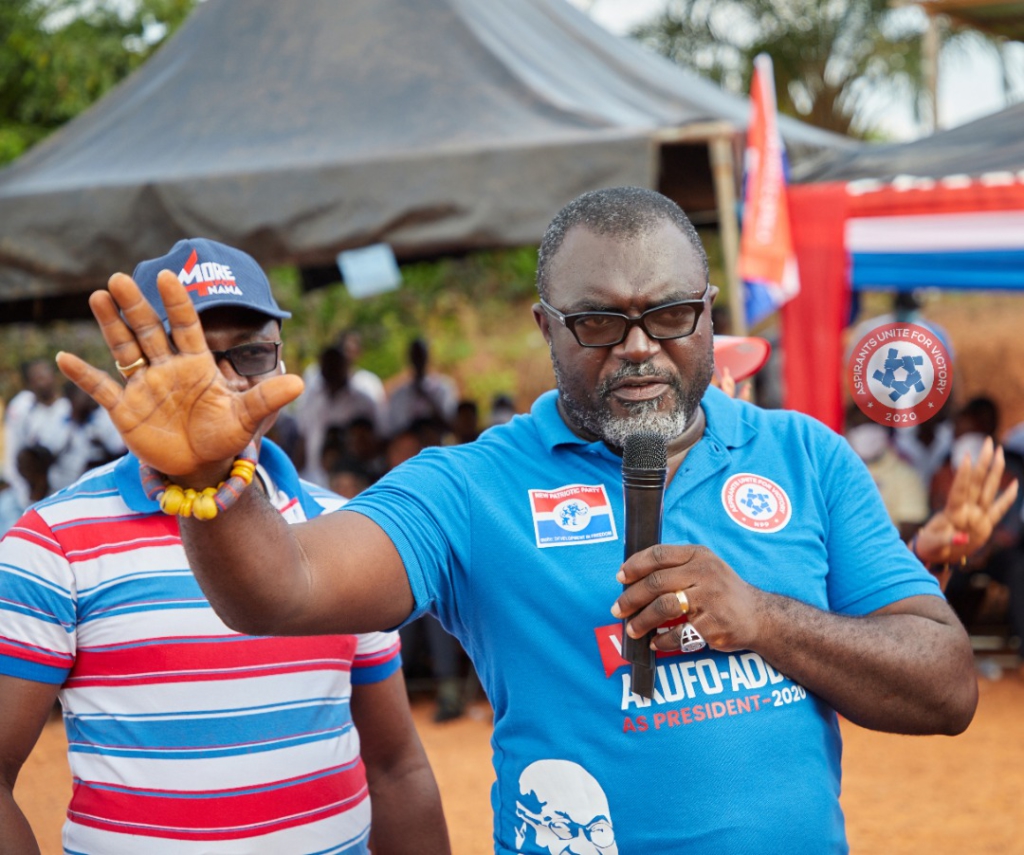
(719, 137)
(720, 149)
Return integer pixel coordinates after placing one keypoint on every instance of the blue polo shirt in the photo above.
(513, 541)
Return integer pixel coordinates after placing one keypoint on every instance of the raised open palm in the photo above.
(973, 509)
(177, 413)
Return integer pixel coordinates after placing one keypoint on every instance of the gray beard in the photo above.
(595, 416)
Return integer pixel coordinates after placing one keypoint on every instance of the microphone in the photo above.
(644, 473)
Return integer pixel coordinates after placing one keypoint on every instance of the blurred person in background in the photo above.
(10, 507)
(503, 408)
(286, 435)
(330, 400)
(90, 439)
(403, 446)
(37, 415)
(426, 395)
(351, 343)
(465, 427)
(349, 477)
(976, 422)
(926, 446)
(904, 494)
(1001, 561)
(34, 463)
(364, 444)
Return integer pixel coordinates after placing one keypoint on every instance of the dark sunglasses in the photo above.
(253, 359)
(607, 329)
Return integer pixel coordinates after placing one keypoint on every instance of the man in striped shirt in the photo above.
(184, 736)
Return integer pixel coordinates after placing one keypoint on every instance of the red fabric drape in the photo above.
(813, 321)
(978, 195)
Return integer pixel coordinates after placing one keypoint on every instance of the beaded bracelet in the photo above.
(201, 504)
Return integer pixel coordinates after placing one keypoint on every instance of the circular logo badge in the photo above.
(756, 503)
(900, 375)
(572, 514)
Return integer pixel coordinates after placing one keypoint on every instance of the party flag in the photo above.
(767, 262)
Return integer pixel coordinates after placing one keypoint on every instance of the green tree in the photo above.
(59, 56)
(833, 58)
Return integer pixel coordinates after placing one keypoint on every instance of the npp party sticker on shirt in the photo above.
(756, 503)
(572, 515)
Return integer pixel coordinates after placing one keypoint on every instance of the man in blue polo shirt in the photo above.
(778, 550)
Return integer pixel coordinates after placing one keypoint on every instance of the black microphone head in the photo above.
(645, 450)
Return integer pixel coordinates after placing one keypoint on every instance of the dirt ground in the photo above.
(902, 795)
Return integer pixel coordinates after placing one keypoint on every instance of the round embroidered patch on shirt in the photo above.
(756, 503)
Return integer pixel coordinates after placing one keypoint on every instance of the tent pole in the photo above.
(720, 149)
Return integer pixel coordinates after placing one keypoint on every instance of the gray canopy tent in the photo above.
(944, 211)
(992, 143)
(298, 130)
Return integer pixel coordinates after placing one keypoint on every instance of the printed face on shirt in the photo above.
(640, 383)
(224, 328)
(562, 810)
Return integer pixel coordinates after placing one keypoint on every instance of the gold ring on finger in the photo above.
(127, 370)
(684, 602)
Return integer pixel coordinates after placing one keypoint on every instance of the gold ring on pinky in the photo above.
(127, 370)
(684, 602)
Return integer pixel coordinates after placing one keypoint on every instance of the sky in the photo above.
(969, 83)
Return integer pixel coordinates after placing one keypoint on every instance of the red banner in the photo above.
(767, 262)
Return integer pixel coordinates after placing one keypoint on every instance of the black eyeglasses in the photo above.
(607, 329)
(251, 360)
(599, 832)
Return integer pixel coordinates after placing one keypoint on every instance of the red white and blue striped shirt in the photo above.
(184, 736)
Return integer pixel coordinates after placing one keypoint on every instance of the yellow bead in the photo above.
(170, 502)
(243, 469)
(186, 506)
(211, 491)
(204, 507)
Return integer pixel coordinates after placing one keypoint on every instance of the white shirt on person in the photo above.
(317, 410)
(363, 381)
(29, 422)
(434, 395)
(86, 444)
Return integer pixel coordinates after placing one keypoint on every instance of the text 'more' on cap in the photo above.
(214, 274)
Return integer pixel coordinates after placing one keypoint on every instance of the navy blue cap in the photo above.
(214, 274)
